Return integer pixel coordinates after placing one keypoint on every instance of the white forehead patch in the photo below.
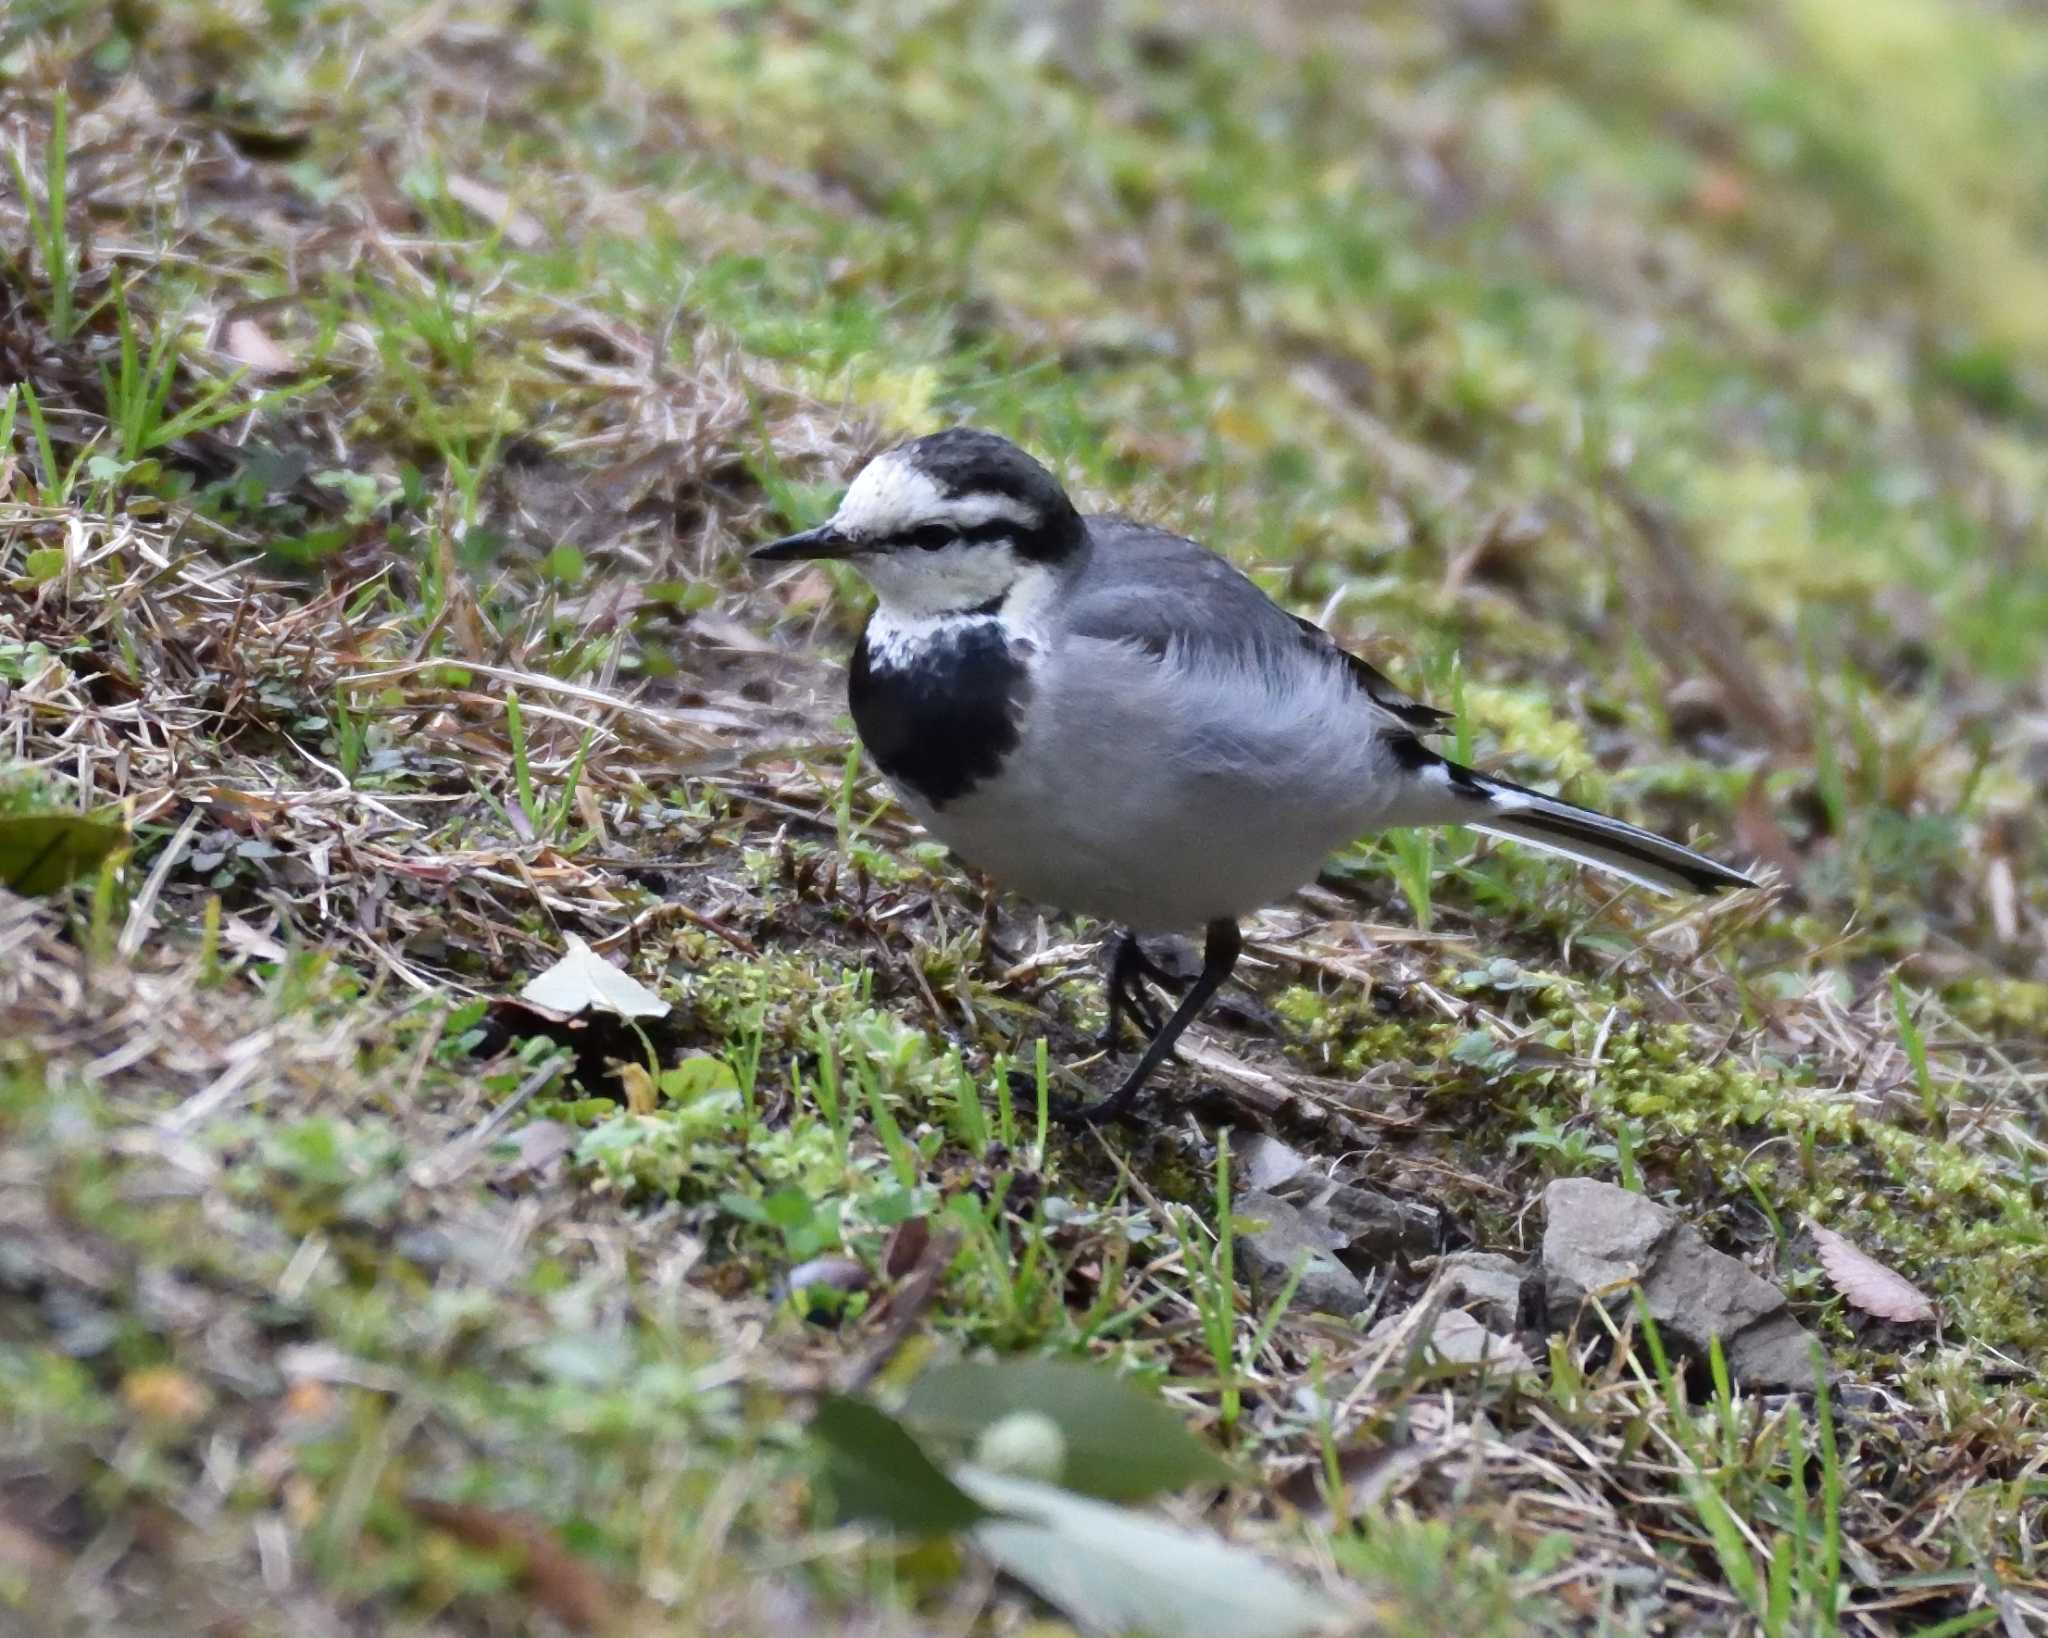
(892, 496)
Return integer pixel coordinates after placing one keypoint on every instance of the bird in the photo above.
(1112, 720)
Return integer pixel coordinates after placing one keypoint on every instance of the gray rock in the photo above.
(1456, 1338)
(1262, 1163)
(1379, 1225)
(1286, 1235)
(1485, 1284)
(1597, 1237)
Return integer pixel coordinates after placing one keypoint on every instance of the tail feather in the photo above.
(1502, 808)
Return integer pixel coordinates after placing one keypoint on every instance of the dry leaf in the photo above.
(163, 1393)
(521, 231)
(536, 1146)
(641, 1093)
(905, 1248)
(567, 1587)
(248, 343)
(250, 812)
(584, 981)
(1867, 1284)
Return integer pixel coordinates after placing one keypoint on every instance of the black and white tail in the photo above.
(1502, 808)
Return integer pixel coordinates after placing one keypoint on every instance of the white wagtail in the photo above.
(1110, 719)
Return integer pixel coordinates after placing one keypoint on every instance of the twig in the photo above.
(672, 911)
(142, 913)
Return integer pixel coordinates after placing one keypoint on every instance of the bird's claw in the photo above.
(1130, 970)
(1063, 1110)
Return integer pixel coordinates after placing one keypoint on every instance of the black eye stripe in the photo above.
(931, 537)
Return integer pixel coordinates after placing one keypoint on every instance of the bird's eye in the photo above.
(930, 537)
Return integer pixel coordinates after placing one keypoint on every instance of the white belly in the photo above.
(1182, 872)
(1164, 802)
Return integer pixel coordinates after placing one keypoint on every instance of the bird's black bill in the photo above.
(823, 541)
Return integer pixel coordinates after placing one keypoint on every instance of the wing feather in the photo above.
(1165, 593)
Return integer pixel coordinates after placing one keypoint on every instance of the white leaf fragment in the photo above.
(583, 981)
(1115, 1571)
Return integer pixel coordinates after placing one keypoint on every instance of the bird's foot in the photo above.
(1129, 971)
(1130, 1002)
(1066, 1111)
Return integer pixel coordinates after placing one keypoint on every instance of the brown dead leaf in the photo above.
(906, 1246)
(248, 343)
(569, 1588)
(896, 1315)
(1867, 1284)
(250, 812)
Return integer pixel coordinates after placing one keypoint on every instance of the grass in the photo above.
(391, 395)
(49, 220)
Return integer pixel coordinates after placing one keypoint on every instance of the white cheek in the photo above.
(899, 633)
(918, 585)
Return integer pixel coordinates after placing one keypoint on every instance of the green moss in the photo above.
(1345, 1035)
(1710, 1121)
(2002, 1006)
(1304, 1008)
(1713, 1125)
(27, 790)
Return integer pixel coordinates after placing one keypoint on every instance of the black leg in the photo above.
(1150, 969)
(1130, 969)
(1124, 984)
(1219, 956)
